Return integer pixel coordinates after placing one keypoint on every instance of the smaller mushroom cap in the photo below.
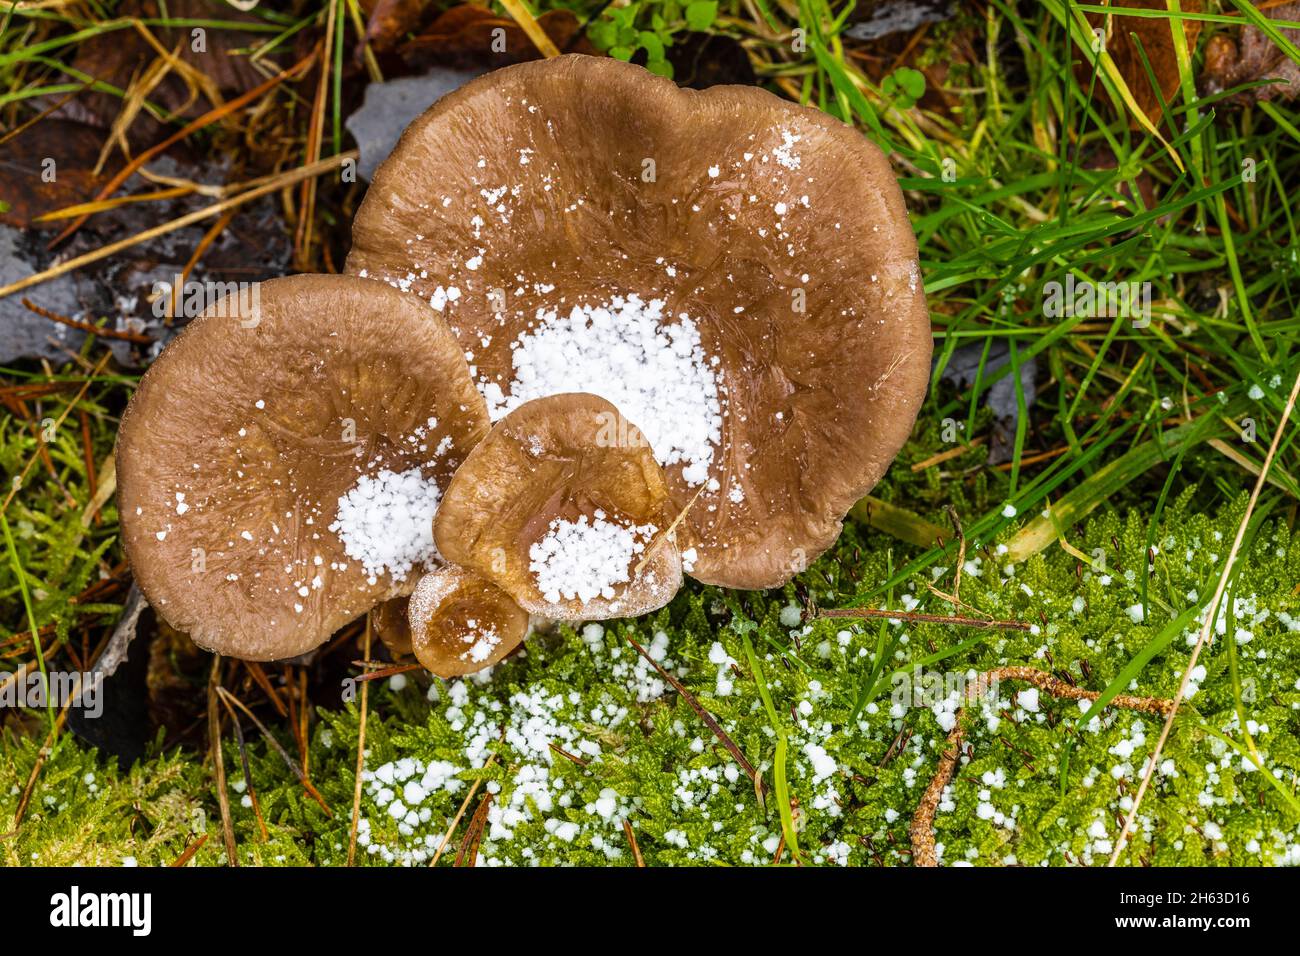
(461, 623)
(279, 465)
(564, 507)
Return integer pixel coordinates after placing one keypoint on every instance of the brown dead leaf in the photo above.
(1254, 58)
(47, 167)
(465, 36)
(391, 20)
(1156, 36)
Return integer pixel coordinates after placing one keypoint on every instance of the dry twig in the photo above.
(211, 116)
(198, 215)
(925, 618)
(750, 770)
(922, 829)
(631, 841)
(137, 337)
(189, 852)
(451, 828)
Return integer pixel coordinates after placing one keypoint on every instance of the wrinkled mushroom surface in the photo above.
(560, 506)
(461, 623)
(767, 244)
(279, 465)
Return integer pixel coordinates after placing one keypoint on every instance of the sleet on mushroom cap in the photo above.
(461, 623)
(242, 438)
(556, 465)
(777, 231)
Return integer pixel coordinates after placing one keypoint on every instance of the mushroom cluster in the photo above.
(598, 332)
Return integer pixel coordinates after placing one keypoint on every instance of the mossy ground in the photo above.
(587, 735)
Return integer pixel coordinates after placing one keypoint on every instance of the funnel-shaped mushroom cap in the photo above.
(461, 623)
(279, 466)
(563, 507)
(743, 272)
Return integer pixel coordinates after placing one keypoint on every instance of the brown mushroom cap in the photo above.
(778, 230)
(461, 623)
(242, 438)
(564, 465)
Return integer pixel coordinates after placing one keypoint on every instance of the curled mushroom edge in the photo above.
(461, 623)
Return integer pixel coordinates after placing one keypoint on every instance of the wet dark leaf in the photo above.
(254, 245)
(1253, 59)
(391, 20)
(465, 37)
(963, 369)
(701, 60)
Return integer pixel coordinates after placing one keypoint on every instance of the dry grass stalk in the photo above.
(58, 423)
(206, 119)
(920, 618)
(361, 750)
(285, 179)
(189, 852)
(631, 841)
(1211, 613)
(528, 23)
(218, 760)
(451, 828)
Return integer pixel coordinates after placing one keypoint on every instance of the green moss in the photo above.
(633, 748)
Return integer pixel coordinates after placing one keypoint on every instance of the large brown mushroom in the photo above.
(461, 623)
(736, 273)
(564, 508)
(279, 465)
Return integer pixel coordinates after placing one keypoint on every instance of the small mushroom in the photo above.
(461, 623)
(736, 273)
(564, 507)
(280, 463)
